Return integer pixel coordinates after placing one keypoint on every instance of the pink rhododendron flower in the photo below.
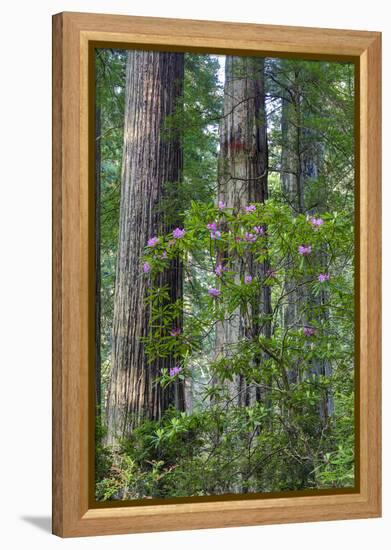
(212, 226)
(174, 371)
(153, 241)
(178, 233)
(309, 331)
(259, 230)
(323, 277)
(250, 237)
(316, 222)
(305, 250)
(146, 267)
(215, 292)
(175, 332)
(219, 270)
(221, 204)
(248, 279)
(251, 208)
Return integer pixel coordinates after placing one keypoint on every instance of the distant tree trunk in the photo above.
(98, 393)
(293, 193)
(152, 156)
(243, 180)
(312, 161)
(302, 157)
(290, 163)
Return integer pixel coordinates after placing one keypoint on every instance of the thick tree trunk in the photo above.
(243, 180)
(152, 156)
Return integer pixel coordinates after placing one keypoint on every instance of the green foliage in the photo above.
(283, 235)
(281, 445)
(288, 439)
(220, 450)
(195, 119)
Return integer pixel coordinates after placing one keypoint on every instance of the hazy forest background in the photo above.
(225, 274)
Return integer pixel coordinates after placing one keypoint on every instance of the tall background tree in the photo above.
(152, 156)
(242, 180)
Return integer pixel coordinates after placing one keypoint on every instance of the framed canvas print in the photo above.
(216, 274)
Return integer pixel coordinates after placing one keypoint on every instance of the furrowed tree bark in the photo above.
(243, 180)
(152, 156)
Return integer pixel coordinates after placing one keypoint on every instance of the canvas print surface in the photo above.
(225, 254)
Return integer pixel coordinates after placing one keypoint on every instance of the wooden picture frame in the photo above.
(74, 34)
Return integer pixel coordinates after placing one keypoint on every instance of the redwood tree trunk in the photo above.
(243, 180)
(152, 156)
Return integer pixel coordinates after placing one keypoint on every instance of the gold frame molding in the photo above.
(74, 34)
